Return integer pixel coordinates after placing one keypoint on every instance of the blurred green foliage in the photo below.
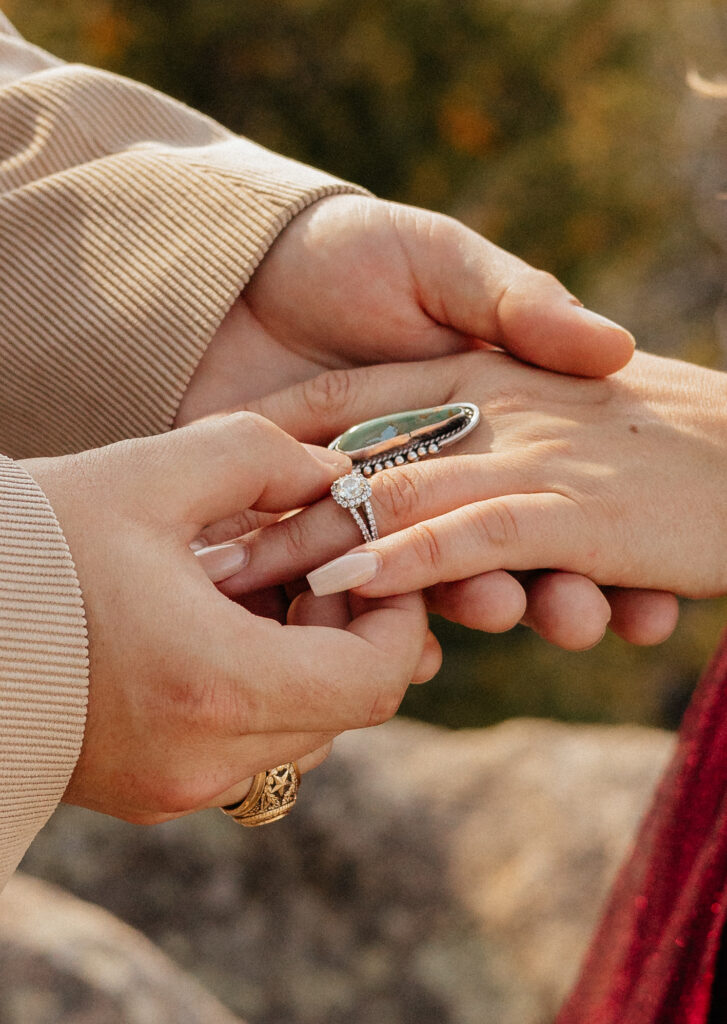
(552, 126)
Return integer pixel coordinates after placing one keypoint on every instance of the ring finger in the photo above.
(239, 791)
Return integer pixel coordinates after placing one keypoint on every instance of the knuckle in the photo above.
(544, 279)
(250, 425)
(384, 707)
(191, 702)
(209, 704)
(294, 537)
(234, 526)
(176, 793)
(397, 496)
(495, 524)
(425, 546)
(527, 280)
(327, 394)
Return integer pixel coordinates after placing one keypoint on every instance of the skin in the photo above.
(353, 281)
(190, 693)
(175, 724)
(618, 480)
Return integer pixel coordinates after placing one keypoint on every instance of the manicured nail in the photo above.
(596, 320)
(223, 560)
(338, 460)
(342, 573)
(197, 544)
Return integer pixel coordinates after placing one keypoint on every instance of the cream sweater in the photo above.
(128, 225)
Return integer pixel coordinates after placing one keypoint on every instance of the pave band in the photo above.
(272, 795)
(353, 492)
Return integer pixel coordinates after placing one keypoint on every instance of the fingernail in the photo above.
(340, 461)
(596, 320)
(342, 573)
(197, 544)
(223, 560)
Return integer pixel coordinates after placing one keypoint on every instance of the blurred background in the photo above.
(564, 130)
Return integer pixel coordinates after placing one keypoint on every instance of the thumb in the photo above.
(467, 283)
(217, 467)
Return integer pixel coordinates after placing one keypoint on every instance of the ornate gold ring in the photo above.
(272, 794)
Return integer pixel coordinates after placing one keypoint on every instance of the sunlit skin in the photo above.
(190, 694)
(618, 480)
(356, 280)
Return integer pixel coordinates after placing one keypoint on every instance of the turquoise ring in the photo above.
(389, 441)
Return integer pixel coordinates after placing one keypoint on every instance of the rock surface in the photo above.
(64, 960)
(425, 876)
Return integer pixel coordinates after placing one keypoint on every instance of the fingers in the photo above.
(400, 498)
(540, 323)
(308, 610)
(211, 469)
(222, 560)
(467, 283)
(320, 408)
(492, 602)
(644, 617)
(306, 763)
(572, 612)
(430, 661)
(567, 610)
(517, 532)
(335, 611)
(302, 678)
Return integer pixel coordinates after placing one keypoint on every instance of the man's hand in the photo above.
(355, 280)
(190, 694)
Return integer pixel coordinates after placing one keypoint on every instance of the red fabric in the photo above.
(653, 957)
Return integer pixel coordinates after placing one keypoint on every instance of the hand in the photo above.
(619, 480)
(355, 280)
(190, 694)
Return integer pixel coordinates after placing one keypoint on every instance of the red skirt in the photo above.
(654, 955)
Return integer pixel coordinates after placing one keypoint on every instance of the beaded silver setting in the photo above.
(394, 440)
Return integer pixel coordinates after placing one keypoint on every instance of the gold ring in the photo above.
(271, 796)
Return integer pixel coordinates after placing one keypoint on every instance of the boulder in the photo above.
(425, 876)
(65, 960)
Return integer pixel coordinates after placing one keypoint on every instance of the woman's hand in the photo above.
(620, 481)
(191, 694)
(355, 280)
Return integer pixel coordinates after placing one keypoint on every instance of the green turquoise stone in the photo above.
(378, 436)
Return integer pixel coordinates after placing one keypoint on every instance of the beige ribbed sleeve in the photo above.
(43, 663)
(128, 225)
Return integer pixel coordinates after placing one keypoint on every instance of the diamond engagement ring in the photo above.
(272, 795)
(353, 492)
(389, 441)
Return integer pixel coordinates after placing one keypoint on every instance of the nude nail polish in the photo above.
(221, 561)
(351, 570)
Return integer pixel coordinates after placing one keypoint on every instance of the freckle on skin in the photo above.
(633, 428)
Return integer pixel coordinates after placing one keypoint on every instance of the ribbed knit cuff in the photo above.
(119, 276)
(121, 255)
(43, 663)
